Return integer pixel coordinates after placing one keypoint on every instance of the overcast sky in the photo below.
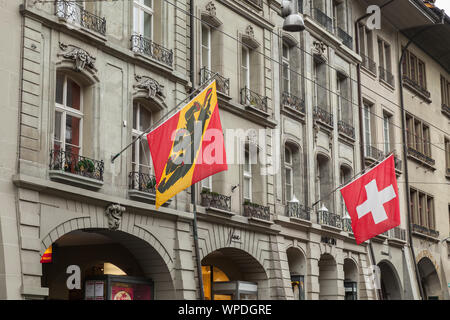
(444, 4)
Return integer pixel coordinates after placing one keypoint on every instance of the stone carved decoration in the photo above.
(151, 86)
(249, 37)
(114, 214)
(316, 132)
(250, 32)
(320, 51)
(81, 57)
(211, 8)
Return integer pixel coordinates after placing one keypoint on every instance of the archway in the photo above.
(350, 279)
(328, 282)
(430, 279)
(297, 269)
(231, 273)
(109, 260)
(390, 284)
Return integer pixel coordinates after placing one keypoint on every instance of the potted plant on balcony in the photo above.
(151, 183)
(85, 165)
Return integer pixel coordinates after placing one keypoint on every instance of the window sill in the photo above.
(85, 31)
(380, 238)
(396, 242)
(219, 212)
(425, 236)
(75, 180)
(369, 72)
(387, 84)
(253, 109)
(424, 96)
(420, 161)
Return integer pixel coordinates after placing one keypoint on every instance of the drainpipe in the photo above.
(360, 116)
(193, 200)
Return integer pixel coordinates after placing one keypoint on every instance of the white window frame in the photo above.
(208, 48)
(367, 129)
(246, 69)
(288, 165)
(137, 165)
(139, 25)
(286, 62)
(247, 175)
(66, 110)
(207, 183)
(386, 133)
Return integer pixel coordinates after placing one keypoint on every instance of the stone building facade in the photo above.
(84, 79)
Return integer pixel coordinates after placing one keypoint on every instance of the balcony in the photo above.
(347, 225)
(347, 40)
(346, 129)
(222, 83)
(398, 164)
(297, 210)
(416, 87)
(420, 157)
(215, 200)
(73, 168)
(446, 110)
(256, 211)
(142, 182)
(323, 116)
(425, 231)
(323, 19)
(386, 76)
(146, 47)
(254, 100)
(329, 219)
(398, 233)
(288, 100)
(75, 13)
(373, 154)
(369, 64)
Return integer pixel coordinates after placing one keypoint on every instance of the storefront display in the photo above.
(109, 287)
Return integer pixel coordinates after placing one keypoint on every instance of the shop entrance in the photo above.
(390, 283)
(233, 274)
(430, 279)
(112, 265)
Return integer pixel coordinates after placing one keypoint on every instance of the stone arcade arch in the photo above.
(390, 282)
(238, 265)
(328, 281)
(430, 279)
(350, 279)
(140, 256)
(297, 269)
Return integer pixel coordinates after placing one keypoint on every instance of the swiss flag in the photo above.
(372, 201)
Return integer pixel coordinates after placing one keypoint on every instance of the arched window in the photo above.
(68, 115)
(142, 120)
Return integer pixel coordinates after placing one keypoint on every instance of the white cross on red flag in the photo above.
(372, 201)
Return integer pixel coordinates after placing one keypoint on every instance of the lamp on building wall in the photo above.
(293, 21)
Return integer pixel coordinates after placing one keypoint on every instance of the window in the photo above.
(288, 161)
(143, 18)
(445, 91)
(141, 158)
(418, 135)
(339, 15)
(366, 48)
(422, 208)
(345, 177)
(384, 55)
(447, 156)
(286, 69)
(343, 96)
(207, 183)
(245, 67)
(247, 176)
(367, 125)
(387, 122)
(414, 70)
(68, 115)
(206, 47)
(320, 85)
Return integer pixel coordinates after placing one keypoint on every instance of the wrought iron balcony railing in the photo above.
(323, 116)
(373, 153)
(293, 102)
(345, 37)
(75, 13)
(425, 230)
(398, 163)
(223, 84)
(346, 129)
(420, 156)
(386, 76)
(347, 225)
(73, 163)
(251, 98)
(329, 219)
(252, 210)
(297, 210)
(398, 233)
(323, 19)
(151, 49)
(369, 64)
(142, 182)
(216, 200)
(416, 86)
